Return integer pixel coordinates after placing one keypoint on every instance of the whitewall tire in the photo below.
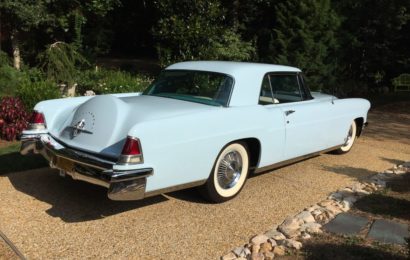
(229, 173)
(349, 140)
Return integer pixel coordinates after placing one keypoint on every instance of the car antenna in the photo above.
(333, 94)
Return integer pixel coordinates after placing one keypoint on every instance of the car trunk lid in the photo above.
(100, 125)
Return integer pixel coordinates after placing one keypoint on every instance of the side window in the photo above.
(266, 97)
(304, 87)
(286, 88)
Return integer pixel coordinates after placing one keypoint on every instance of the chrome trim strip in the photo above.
(91, 161)
(90, 179)
(37, 126)
(129, 159)
(118, 176)
(294, 160)
(175, 188)
(33, 137)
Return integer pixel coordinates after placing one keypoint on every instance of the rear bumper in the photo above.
(121, 185)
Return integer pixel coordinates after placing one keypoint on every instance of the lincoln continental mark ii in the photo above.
(208, 124)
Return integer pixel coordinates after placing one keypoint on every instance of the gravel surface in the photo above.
(5, 251)
(50, 217)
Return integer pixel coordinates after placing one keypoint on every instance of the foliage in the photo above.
(105, 81)
(61, 62)
(9, 79)
(29, 84)
(304, 36)
(375, 37)
(4, 59)
(364, 53)
(32, 92)
(231, 47)
(190, 30)
(13, 118)
(22, 15)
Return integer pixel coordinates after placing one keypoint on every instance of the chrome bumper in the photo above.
(122, 185)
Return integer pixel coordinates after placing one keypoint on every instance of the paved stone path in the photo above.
(346, 224)
(385, 231)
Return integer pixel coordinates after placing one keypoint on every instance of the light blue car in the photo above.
(200, 123)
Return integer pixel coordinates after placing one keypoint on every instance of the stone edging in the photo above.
(287, 235)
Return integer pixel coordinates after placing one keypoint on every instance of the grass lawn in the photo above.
(12, 161)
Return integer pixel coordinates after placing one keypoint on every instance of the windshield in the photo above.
(208, 88)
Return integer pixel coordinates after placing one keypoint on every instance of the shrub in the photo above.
(111, 81)
(13, 118)
(197, 32)
(9, 76)
(32, 92)
(61, 62)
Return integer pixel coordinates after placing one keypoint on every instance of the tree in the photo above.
(189, 30)
(19, 17)
(33, 24)
(62, 63)
(78, 22)
(304, 36)
(254, 21)
(375, 37)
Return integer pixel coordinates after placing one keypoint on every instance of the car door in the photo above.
(273, 136)
(306, 120)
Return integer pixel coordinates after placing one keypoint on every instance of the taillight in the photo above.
(131, 152)
(37, 121)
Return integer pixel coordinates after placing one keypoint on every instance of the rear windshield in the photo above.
(203, 87)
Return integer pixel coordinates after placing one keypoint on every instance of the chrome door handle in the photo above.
(288, 112)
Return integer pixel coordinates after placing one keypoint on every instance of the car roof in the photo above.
(248, 76)
(231, 67)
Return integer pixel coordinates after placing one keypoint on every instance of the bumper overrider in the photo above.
(122, 185)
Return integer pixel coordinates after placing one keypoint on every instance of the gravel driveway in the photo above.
(47, 216)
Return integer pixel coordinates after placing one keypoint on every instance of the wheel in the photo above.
(228, 175)
(349, 141)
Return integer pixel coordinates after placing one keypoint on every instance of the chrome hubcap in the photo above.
(229, 170)
(349, 138)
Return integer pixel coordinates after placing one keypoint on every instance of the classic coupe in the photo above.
(201, 123)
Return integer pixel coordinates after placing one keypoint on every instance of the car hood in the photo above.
(101, 124)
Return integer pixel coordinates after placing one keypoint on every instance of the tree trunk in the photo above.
(15, 45)
(71, 89)
(235, 14)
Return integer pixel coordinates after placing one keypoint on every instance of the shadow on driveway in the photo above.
(392, 161)
(72, 201)
(15, 162)
(380, 204)
(353, 172)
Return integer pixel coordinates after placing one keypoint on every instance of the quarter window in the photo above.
(266, 96)
(285, 88)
